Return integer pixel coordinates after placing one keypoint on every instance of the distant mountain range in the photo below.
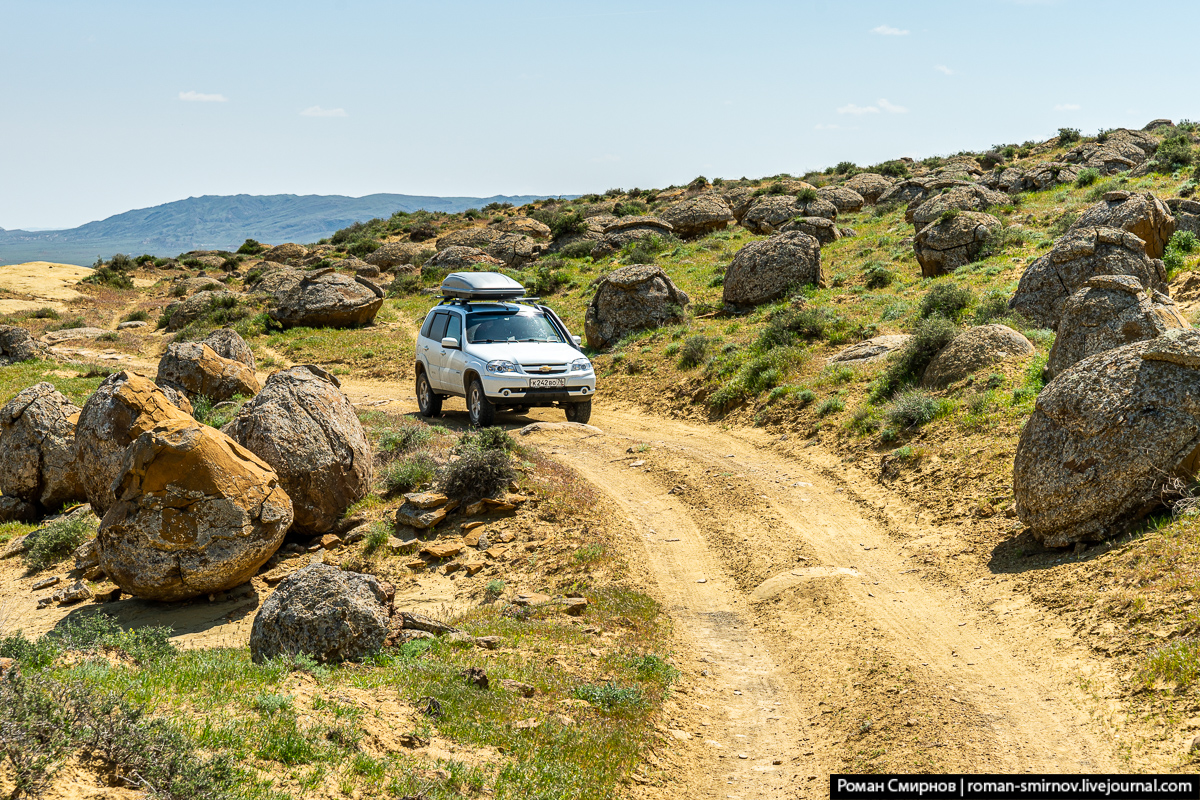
(221, 222)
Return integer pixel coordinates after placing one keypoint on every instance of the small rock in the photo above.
(45, 583)
(516, 687)
(330, 541)
(8, 668)
(107, 592)
(357, 535)
(426, 500)
(72, 594)
(473, 567)
(526, 724)
(440, 550)
(476, 677)
(398, 546)
(532, 599)
(452, 567)
(43, 602)
(743, 756)
(416, 564)
(470, 526)
(911, 722)
(94, 573)
(1195, 746)
(682, 736)
(131, 325)
(86, 555)
(488, 642)
(575, 605)
(409, 514)
(474, 508)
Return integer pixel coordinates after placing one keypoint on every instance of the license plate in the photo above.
(547, 383)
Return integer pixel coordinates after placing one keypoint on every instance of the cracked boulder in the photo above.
(326, 299)
(869, 185)
(624, 230)
(37, 438)
(1075, 258)
(196, 513)
(633, 298)
(1143, 215)
(16, 345)
(953, 241)
(524, 225)
(843, 198)
(1186, 213)
(305, 428)
(324, 612)
(461, 257)
(961, 198)
(196, 370)
(1116, 429)
(283, 253)
(821, 229)
(1108, 312)
(766, 270)
(228, 343)
(698, 215)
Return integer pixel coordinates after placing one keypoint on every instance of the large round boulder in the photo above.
(306, 429)
(196, 513)
(698, 215)
(1106, 437)
(278, 282)
(972, 350)
(196, 306)
(844, 199)
(514, 250)
(398, 257)
(228, 343)
(37, 438)
(821, 229)
(961, 198)
(769, 213)
(1108, 312)
(196, 370)
(460, 257)
(524, 225)
(906, 191)
(323, 612)
(869, 185)
(1079, 255)
(468, 237)
(326, 299)
(122, 408)
(765, 270)
(1143, 215)
(954, 240)
(283, 253)
(629, 299)
(16, 345)
(625, 230)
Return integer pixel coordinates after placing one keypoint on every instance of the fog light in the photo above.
(505, 393)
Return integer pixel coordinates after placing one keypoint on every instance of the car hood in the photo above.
(526, 352)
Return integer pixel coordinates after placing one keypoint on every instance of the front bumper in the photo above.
(514, 389)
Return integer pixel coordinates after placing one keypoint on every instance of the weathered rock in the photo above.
(323, 612)
(87, 555)
(906, 191)
(844, 199)
(305, 428)
(739, 200)
(278, 282)
(1120, 150)
(227, 343)
(765, 270)
(1143, 215)
(974, 349)
(37, 440)
(178, 399)
(1108, 312)
(624, 230)
(961, 198)
(869, 185)
(479, 238)
(196, 513)
(327, 299)
(182, 287)
(399, 257)
(462, 258)
(1186, 213)
(698, 215)
(282, 253)
(1048, 175)
(876, 349)
(123, 407)
(821, 229)
(14, 509)
(196, 370)
(132, 325)
(1079, 255)
(949, 243)
(514, 250)
(1110, 431)
(632, 298)
(16, 345)
(524, 225)
(72, 334)
(769, 213)
(419, 518)
(427, 500)
(196, 306)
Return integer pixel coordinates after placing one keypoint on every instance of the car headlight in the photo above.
(497, 367)
(581, 365)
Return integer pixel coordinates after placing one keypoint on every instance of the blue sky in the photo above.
(115, 105)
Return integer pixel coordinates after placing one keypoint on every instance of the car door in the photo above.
(454, 361)
(434, 352)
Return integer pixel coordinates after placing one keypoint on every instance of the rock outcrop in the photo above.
(843, 198)
(625, 230)
(228, 343)
(323, 612)
(869, 185)
(1076, 257)
(283, 253)
(961, 198)
(16, 345)
(1186, 213)
(769, 213)
(196, 306)
(326, 299)
(462, 258)
(953, 241)
(974, 349)
(1143, 215)
(196, 513)
(763, 271)
(37, 440)
(123, 408)
(1108, 312)
(524, 225)
(632, 298)
(1113, 429)
(871, 350)
(399, 257)
(698, 215)
(821, 229)
(305, 428)
(196, 370)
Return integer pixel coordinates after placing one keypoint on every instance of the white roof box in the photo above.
(481, 286)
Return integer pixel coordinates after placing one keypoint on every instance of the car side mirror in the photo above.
(450, 343)
(577, 340)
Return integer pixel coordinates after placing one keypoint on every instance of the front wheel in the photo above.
(579, 412)
(429, 403)
(481, 410)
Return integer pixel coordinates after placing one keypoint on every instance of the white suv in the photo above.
(487, 342)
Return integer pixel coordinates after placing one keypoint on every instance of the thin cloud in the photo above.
(317, 111)
(198, 97)
(1067, 107)
(942, 68)
(850, 108)
(888, 30)
(892, 108)
(820, 126)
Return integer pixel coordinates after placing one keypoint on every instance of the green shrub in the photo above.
(544, 280)
(993, 306)
(408, 473)
(570, 223)
(494, 587)
(580, 249)
(808, 323)
(363, 247)
(217, 415)
(807, 195)
(1068, 136)
(893, 169)
(1004, 238)
(878, 276)
(478, 473)
(58, 540)
(250, 247)
(1177, 663)
(929, 336)
(845, 168)
(405, 439)
(630, 208)
(805, 396)
(136, 316)
(645, 250)
(693, 351)
(1181, 244)
(1087, 177)
(914, 408)
(493, 438)
(612, 697)
(947, 300)
(831, 405)
(1174, 153)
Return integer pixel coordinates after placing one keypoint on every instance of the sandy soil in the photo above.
(39, 284)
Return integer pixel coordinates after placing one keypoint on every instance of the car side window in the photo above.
(428, 326)
(454, 329)
(439, 326)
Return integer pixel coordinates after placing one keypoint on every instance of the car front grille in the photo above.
(552, 369)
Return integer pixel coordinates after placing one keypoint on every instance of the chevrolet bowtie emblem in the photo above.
(544, 368)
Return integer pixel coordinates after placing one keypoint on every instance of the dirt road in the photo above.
(817, 627)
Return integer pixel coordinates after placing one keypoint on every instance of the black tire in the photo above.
(480, 409)
(429, 403)
(579, 412)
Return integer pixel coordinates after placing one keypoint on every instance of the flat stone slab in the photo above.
(875, 349)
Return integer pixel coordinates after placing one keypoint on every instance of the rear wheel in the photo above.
(579, 412)
(429, 403)
(481, 410)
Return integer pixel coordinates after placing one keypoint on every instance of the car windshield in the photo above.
(524, 327)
